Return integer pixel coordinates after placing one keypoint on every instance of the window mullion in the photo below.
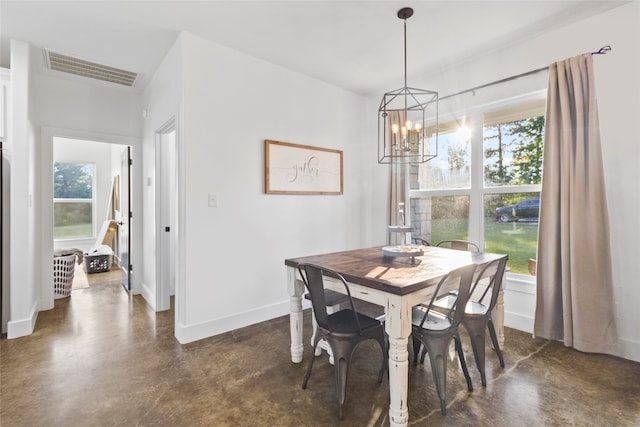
(476, 201)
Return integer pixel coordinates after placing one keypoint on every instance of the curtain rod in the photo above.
(602, 51)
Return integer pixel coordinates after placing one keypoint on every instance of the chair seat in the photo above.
(435, 321)
(343, 322)
(472, 307)
(475, 308)
(331, 297)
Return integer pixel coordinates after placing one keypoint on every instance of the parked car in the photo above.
(524, 209)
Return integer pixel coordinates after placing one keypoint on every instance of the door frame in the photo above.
(45, 299)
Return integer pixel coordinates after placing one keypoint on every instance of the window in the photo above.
(73, 200)
(484, 186)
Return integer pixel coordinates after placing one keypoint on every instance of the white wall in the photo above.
(21, 155)
(5, 85)
(618, 89)
(234, 254)
(162, 100)
(619, 106)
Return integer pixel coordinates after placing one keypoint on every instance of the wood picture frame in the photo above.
(302, 169)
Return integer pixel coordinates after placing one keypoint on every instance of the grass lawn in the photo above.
(72, 231)
(516, 239)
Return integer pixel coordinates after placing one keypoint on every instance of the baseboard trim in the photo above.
(22, 327)
(518, 321)
(189, 333)
(630, 349)
(149, 296)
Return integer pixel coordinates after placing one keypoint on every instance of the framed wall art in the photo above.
(301, 169)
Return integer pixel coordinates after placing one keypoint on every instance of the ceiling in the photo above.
(356, 45)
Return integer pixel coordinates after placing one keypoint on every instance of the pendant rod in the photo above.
(405, 53)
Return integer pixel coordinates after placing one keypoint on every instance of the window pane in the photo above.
(72, 180)
(451, 169)
(73, 200)
(513, 152)
(511, 227)
(441, 218)
(72, 220)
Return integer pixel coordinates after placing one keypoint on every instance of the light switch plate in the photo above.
(213, 200)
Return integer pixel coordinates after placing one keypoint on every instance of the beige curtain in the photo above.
(574, 281)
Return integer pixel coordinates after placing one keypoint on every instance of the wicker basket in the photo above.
(63, 271)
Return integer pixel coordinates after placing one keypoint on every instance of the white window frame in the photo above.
(92, 200)
(477, 190)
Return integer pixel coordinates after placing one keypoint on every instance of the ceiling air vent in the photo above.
(80, 67)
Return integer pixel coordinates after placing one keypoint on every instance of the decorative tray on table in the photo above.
(402, 251)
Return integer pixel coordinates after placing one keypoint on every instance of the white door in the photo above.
(124, 222)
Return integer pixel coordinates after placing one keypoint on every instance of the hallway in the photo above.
(101, 357)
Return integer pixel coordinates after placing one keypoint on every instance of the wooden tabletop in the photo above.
(368, 267)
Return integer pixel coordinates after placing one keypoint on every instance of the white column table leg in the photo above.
(398, 328)
(498, 316)
(295, 289)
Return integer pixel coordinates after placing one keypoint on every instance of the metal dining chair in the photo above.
(435, 329)
(343, 330)
(483, 297)
(460, 245)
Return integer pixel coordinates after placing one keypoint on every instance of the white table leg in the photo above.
(498, 317)
(323, 344)
(295, 289)
(398, 328)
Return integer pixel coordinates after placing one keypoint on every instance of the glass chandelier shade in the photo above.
(407, 119)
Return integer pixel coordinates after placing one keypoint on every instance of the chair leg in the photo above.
(314, 324)
(477, 335)
(423, 354)
(494, 340)
(385, 357)
(342, 353)
(438, 347)
(308, 373)
(342, 371)
(417, 345)
(463, 362)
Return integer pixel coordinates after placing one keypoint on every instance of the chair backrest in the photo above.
(491, 275)
(455, 284)
(420, 241)
(460, 245)
(312, 276)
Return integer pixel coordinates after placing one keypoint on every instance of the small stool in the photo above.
(333, 300)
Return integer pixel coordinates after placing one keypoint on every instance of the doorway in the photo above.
(166, 214)
(92, 205)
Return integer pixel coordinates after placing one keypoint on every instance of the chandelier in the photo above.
(407, 119)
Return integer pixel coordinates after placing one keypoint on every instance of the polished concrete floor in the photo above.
(102, 358)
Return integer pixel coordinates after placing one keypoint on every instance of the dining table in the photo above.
(396, 283)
